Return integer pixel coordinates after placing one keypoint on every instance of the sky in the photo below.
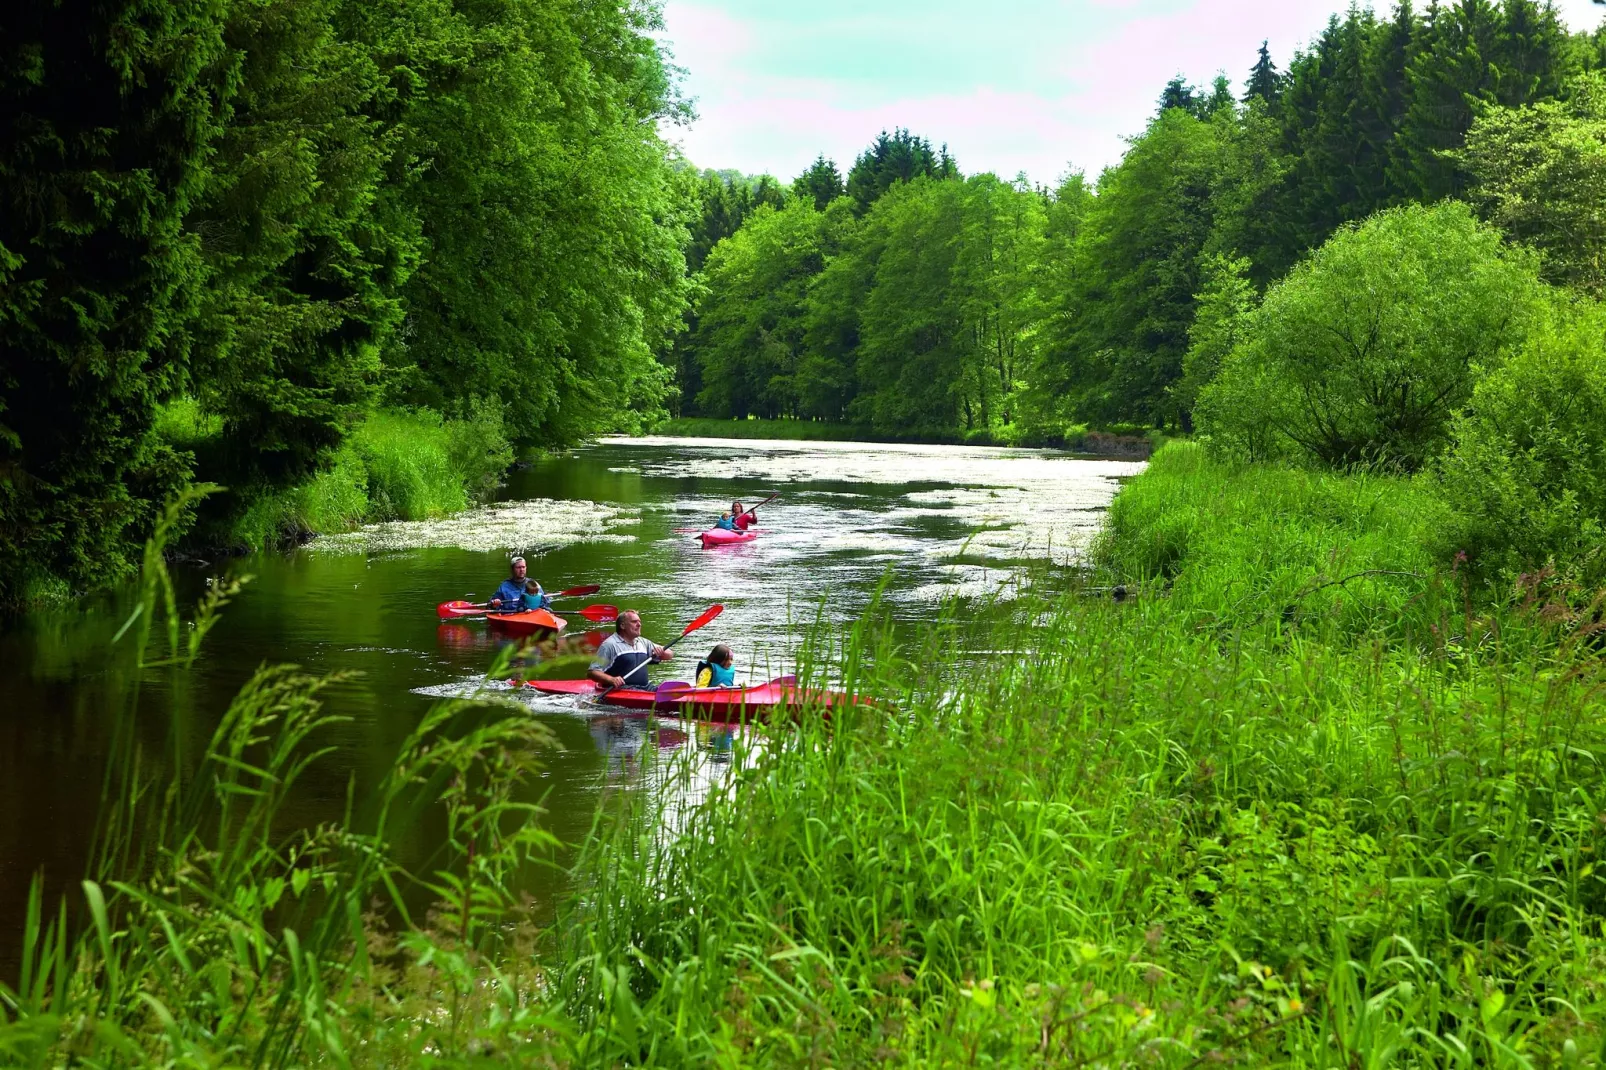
(1035, 86)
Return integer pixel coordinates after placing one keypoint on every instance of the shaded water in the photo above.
(933, 520)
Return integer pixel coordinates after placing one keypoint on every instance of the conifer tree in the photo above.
(1532, 57)
(1179, 94)
(821, 183)
(1385, 98)
(893, 158)
(1452, 72)
(107, 111)
(1220, 101)
(1264, 81)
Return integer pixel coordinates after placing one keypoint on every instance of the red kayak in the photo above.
(530, 622)
(713, 703)
(721, 537)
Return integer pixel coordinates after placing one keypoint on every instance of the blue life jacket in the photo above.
(725, 523)
(538, 600)
(718, 675)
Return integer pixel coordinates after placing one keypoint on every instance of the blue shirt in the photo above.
(512, 595)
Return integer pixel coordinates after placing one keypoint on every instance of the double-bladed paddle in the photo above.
(707, 615)
(760, 505)
(449, 610)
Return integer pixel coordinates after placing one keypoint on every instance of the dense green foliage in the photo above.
(1373, 115)
(1528, 468)
(1540, 176)
(109, 111)
(1363, 352)
(290, 214)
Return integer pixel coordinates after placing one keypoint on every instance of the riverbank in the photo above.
(1195, 825)
(1126, 443)
(396, 465)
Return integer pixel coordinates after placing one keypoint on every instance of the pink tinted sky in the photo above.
(1039, 86)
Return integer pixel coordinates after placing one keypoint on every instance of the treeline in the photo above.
(233, 230)
(921, 300)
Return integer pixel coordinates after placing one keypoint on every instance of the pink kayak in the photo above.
(720, 537)
(714, 703)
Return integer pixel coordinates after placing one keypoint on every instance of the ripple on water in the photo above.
(531, 526)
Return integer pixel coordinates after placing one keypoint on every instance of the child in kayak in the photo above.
(716, 670)
(534, 597)
(725, 523)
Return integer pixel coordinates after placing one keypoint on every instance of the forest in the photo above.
(913, 297)
(349, 262)
(345, 260)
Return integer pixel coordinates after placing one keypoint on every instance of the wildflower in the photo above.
(1295, 1006)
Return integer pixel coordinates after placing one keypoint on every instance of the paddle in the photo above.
(600, 614)
(760, 505)
(449, 610)
(707, 615)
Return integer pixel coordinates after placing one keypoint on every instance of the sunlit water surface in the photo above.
(929, 520)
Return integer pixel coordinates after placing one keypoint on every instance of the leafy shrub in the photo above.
(1528, 469)
(1365, 350)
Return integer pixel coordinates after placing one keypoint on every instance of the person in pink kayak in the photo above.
(742, 518)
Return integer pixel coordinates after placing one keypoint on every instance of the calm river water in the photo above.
(935, 520)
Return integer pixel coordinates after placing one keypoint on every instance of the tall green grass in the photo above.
(1264, 542)
(1138, 842)
(209, 934)
(397, 465)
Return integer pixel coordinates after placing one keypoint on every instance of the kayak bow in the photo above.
(721, 537)
(530, 622)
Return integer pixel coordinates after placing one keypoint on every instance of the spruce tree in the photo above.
(893, 158)
(1386, 96)
(821, 183)
(1451, 73)
(1220, 101)
(107, 111)
(1179, 94)
(1532, 56)
(1264, 81)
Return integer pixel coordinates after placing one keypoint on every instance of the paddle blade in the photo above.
(449, 610)
(576, 592)
(599, 614)
(670, 691)
(708, 614)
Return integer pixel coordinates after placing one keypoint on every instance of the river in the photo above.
(931, 521)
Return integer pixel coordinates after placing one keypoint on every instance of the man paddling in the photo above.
(623, 657)
(509, 597)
